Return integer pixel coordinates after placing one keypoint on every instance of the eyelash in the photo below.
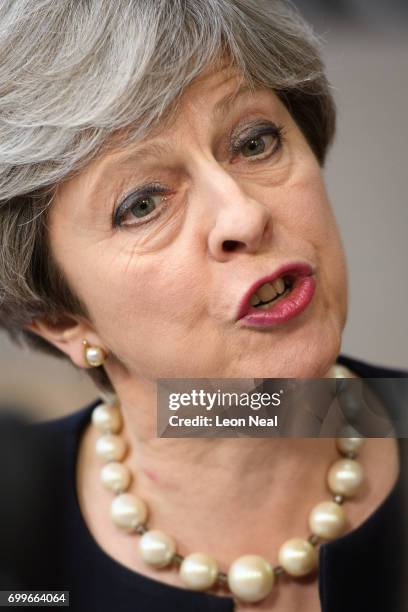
(263, 129)
(158, 189)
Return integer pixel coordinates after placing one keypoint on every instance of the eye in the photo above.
(260, 143)
(139, 207)
(143, 206)
(257, 146)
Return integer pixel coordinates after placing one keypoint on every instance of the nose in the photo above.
(238, 222)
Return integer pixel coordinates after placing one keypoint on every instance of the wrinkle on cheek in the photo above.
(125, 264)
(131, 265)
(158, 291)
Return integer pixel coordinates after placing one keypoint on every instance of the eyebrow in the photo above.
(223, 106)
(155, 149)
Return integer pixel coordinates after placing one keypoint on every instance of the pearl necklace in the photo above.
(250, 577)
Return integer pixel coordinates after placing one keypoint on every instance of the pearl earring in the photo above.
(94, 355)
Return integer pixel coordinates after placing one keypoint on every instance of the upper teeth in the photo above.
(267, 292)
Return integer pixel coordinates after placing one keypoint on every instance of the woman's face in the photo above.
(236, 193)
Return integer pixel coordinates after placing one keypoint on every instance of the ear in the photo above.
(67, 334)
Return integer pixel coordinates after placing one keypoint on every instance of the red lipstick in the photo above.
(302, 288)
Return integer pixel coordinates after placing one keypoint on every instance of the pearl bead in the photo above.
(349, 445)
(198, 571)
(251, 578)
(297, 556)
(95, 355)
(156, 548)
(115, 476)
(340, 371)
(345, 477)
(128, 511)
(327, 520)
(107, 417)
(110, 447)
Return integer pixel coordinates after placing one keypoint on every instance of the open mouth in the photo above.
(271, 292)
(278, 297)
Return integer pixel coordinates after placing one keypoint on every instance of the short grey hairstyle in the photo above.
(76, 72)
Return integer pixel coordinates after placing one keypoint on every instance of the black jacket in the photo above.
(364, 570)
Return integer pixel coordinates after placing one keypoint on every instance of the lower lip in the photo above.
(286, 308)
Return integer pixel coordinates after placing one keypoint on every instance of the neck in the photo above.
(216, 486)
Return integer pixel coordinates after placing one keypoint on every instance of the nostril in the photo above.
(232, 245)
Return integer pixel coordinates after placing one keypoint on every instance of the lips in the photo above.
(288, 306)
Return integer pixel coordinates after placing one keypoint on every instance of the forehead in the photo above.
(209, 99)
(214, 91)
(218, 87)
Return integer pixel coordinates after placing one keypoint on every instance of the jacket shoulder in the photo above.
(68, 423)
(369, 370)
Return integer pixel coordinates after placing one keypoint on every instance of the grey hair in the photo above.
(74, 73)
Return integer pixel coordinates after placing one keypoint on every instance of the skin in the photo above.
(162, 299)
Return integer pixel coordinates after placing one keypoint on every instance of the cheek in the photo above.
(141, 302)
(332, 263)
(313, 221)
